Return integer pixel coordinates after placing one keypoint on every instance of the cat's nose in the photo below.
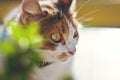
(72, 52)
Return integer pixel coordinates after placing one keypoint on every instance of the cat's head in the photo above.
(57, 26)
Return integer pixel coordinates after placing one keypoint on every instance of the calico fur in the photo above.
(54, 17)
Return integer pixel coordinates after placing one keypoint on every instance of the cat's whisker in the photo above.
(86, 19)
(84, 4)
(89, 13)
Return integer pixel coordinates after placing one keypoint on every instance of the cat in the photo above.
(58, 26)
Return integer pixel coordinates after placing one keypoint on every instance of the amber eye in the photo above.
(56, 37)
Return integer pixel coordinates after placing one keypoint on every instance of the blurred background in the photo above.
(95, 13)
(98, 53)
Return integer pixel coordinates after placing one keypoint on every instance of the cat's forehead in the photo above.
(55, 21)
(55, 26)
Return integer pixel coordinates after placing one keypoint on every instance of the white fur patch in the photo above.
(52, 56)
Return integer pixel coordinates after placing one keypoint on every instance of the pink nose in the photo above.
(72, 52)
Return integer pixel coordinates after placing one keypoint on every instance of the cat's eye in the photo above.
(75, 34)
(56, 37)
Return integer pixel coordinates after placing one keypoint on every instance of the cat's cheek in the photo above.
(62, 57)
(76, 40)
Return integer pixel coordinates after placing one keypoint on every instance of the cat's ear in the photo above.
(31, 7)
(65, 3)
(65, 6)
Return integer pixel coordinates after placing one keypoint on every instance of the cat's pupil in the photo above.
(56, 37)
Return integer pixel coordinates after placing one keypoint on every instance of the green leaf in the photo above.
(24, 43)
(29, 33)
(7, 48)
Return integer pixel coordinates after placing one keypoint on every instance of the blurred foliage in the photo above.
(67, 77)
(26, 36)
(19, 49)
